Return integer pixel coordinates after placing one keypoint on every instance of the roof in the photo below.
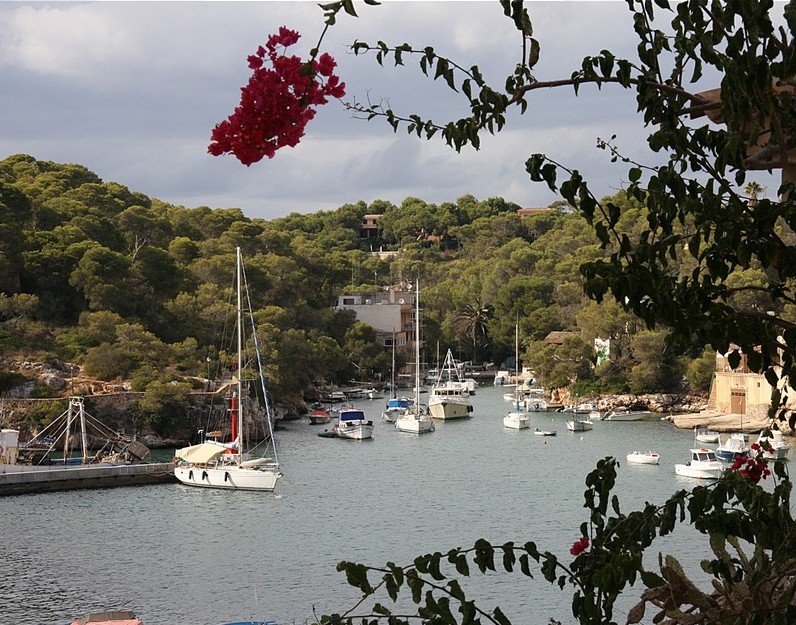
(557, 338)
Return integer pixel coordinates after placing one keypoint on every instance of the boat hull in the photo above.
(413, 425)
(356, 432)
(229, 477)
(638, 457)
(449, 409)
(516, 420)
(626, 416)
(700, 473)
(579, 426)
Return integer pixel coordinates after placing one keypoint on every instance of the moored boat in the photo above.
(643, 457)
(415, 419)
(579, 425)
(449, 397)
(396, 407)
(704, 465)
(539, 432)
(319, 416)
(705, 435)
(736, 445)
(625, 414)
(214, 463)
(516, 419)
(778, 446)
(116, 617)
(352, 423)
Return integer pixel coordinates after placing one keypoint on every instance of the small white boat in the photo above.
(624, 414)
(779, 446)
(535, 404)
(704, 465)
(396, 407)
(517, 420)
(643, 457)
(502, 378)
(704, 435)
(736, 445)
(352, 423)
(539, 432)
(579, 425)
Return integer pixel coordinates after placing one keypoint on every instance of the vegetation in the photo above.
(132, 288)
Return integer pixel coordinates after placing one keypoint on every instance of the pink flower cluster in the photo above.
(277, 102)
(753, 468)
(580, 546)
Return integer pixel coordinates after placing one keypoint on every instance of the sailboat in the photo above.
(516, 418)
(217, 464)
(416, 420)
(396, 406)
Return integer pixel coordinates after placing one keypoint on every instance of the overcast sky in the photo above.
(132, 90)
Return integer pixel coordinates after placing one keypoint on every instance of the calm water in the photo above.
(187, 556)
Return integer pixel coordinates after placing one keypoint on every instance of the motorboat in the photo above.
(625, 414)
(416, 419)
(535, 402)
(704, 465)
(502, 378)
(643, 457)
(579, 425)
(115, 617)
(736, 445)
(396, 407)
(539, 432)
(374, 393)
(779, 446)
(705, 435)
(516, 419)
(352, 423)
(450, 396)
(319, 416)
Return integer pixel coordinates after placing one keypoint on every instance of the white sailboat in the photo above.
(416, 419)
(517, 418)
(216, 464)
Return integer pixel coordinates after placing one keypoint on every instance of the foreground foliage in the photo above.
(752, 573)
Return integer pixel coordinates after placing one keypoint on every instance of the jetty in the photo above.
(27, 479)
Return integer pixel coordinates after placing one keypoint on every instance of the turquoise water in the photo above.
(182, 555)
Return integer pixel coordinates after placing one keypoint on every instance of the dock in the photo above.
(27, 479)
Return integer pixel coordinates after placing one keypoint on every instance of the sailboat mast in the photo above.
(240, 356)
(417, 347)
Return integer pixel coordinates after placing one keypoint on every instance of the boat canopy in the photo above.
(201, 453)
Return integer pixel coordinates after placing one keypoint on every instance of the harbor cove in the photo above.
(176, 554)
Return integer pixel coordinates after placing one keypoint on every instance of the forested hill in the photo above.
(132, 288)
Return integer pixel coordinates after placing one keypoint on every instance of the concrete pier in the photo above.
(25, 479)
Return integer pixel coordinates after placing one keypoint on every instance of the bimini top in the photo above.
(200, 454)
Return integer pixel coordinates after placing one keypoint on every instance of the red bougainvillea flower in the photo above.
(752, 468)
(580, 546)
(278, 101)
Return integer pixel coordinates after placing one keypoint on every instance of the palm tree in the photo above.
(753, 190)
(472, 322)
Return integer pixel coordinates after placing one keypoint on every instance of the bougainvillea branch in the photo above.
(277, 102)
